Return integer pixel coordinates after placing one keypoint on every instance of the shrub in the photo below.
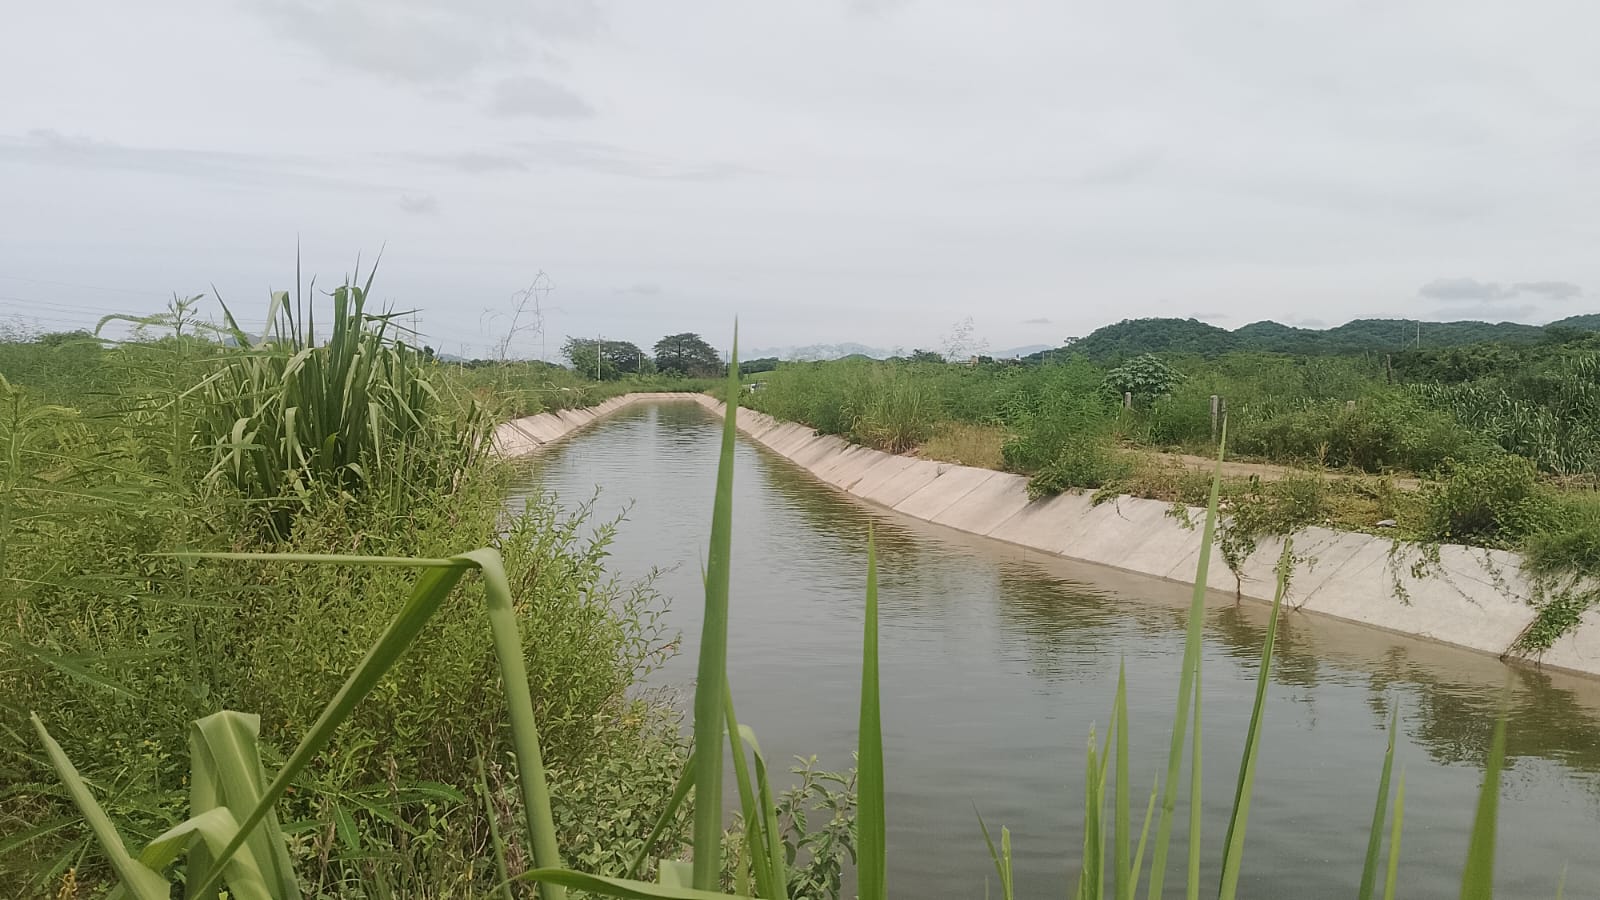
(1083, 461)
(346, 411)
(1493, 501)
(1143, 376)
(1376, 435)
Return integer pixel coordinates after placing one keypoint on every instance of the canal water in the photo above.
(997, 661)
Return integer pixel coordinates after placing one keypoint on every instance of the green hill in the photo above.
(1134, 336)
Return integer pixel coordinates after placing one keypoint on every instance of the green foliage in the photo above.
(1134, 336)
(687, 355)
(122, 647)
(1495, 501)
(1081, 462)
(1261, 509)
(347, 411)
(1374, 436)
(604, 360)
(1145, 376)
(890, 406)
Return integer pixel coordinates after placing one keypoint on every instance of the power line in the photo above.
(86, 287)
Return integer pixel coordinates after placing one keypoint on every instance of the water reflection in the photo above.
(996, 662)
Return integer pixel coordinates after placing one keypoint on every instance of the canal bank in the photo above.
(1468, 596)
(996, 660)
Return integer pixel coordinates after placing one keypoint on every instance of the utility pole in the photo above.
(597, 343)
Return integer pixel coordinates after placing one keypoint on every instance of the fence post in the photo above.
(1216, 414)
(1127, 399)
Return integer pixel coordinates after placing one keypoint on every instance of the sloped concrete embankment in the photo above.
(1469, 597)
(520, 437)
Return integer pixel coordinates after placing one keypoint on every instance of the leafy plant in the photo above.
(1494, 501)
(347, 411)
(1145, 376)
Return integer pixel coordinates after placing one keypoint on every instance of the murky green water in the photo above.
(996, 661)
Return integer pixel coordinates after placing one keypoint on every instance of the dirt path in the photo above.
(1266, 471)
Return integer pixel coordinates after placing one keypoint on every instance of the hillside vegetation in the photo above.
(1131, 337)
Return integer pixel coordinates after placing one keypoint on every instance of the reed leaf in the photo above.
(1186, 677)
(1122, 867)
(1394, 838)
(1000, 858)
(711, 680)
(1369, 868)
(1233, 845)
(871, 817)
(1477, 879)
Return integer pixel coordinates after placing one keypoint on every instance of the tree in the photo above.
(686, 354)
(1143, 376)
(605, 360)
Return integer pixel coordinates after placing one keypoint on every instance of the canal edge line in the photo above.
(530, 434)
(1471, 597)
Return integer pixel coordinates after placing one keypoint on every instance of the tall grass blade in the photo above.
(432, 589)
(749, 805)
(519, 709)
(1093, 885)
(711, 680)
(1561, 883)
(226, 772)
(1123, 823)
(1191, 664)
(496, 841)
(1192, 880)
(1001, 859)
(871, 817)
(138, 879)
(1394, 838)
(1233, 845)
(1369, 869)
(1144, 834)
(1477, 880)
(777, 859)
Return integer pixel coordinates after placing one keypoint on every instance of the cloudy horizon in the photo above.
(869, 171)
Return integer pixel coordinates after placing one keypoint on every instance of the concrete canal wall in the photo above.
(520, 437)
(1470, 597)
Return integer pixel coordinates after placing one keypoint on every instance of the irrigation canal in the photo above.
(997, 662)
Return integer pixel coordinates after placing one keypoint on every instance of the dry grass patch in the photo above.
(967, 444)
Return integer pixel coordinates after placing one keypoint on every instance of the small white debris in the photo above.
(1387, 523)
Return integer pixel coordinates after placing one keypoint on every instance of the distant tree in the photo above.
(686, 354)
(927, 356)
(607, 360)
(753, 366)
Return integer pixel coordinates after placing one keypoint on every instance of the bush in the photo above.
(1083, 461)
(1377, 435)
(1494, 501)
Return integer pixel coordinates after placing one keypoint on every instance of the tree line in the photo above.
(685, 354)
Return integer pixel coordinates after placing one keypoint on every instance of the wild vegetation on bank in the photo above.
(1492, 445)
(330, 433)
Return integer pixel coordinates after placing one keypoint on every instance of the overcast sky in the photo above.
(828, 170)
